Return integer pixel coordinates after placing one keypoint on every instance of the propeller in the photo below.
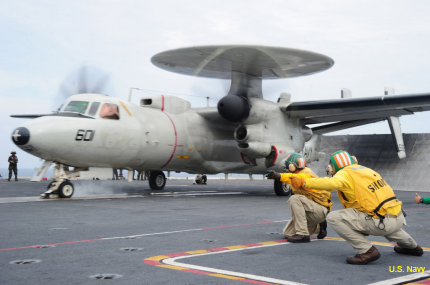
(215, 89)
(85, 79)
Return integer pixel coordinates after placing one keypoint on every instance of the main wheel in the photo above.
(157, 180)
(65, 190)
(281, 189)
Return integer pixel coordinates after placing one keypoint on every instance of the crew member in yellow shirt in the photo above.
(308, 207)
(370, 208)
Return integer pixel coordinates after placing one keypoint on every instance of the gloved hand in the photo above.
(271, 174)
(297, 182)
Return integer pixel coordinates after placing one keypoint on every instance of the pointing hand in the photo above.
(417, 198)
(271, 174)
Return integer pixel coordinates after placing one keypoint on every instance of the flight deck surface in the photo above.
(118, 232)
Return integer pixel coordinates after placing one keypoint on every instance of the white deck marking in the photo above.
(172, 261)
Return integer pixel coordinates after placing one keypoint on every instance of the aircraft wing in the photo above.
(361, 110)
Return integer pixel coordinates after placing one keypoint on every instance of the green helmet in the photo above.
(340, 159)
(296, 159)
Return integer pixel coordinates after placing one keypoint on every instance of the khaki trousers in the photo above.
(305, 216)
(352, 225)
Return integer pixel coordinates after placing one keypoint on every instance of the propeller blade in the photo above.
(85, 79)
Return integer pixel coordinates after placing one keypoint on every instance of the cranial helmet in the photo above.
(339, 160)
(294, 161)
(12, 152)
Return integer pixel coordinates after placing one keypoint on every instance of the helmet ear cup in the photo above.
(292, 168)
(330, 169)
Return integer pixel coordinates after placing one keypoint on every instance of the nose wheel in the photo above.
(66, 190)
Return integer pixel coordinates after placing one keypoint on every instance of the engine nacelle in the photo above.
(250, 133)
(277, 156)
(255, 149)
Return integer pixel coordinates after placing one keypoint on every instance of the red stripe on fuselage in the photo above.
(276, 157)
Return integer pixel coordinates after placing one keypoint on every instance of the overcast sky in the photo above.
(373, 43)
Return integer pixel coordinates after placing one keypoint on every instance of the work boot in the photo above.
(16, 179)
(298, 239)
(323, 230)
(418, 251)
(361, 259)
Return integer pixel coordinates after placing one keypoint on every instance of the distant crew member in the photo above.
(308, 207)
(147, 174)
(140, 174)
(200, 179)
(13, 165)
(370, 208)
(115, 174)
(420, 200)
(121, 176)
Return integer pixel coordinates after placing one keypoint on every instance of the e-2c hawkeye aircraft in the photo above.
(95, 133)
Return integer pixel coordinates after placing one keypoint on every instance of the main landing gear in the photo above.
(157, 180)
(281, 189)
(61, 187)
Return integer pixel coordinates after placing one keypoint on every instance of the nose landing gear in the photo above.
(61, 187)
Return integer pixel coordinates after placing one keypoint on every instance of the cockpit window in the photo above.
(76, 106)
(109, 111)
(93, 109)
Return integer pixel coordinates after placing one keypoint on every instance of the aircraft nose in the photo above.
(20, 136)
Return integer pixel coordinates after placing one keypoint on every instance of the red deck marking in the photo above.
(76, 241)
(217, 249)
(152, 262)
(35, 246)
(196, 271)
(100, 239)
(12, 248)
(176, 135)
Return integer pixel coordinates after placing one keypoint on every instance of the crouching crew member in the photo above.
(370, 208)
(200, 179)
(308, 207)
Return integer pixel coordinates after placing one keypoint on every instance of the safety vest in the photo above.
(373, 195)
(321, 197)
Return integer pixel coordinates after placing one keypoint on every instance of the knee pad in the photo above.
(293, 198)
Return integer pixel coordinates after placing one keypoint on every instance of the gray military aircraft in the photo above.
(245, 133)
